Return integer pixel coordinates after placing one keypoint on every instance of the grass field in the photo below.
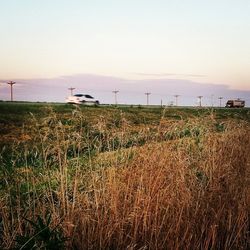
(106, 177)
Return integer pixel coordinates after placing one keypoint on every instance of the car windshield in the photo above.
(89, 96)
(81, 95)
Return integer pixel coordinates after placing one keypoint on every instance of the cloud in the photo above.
(130, 91)
(169, 75)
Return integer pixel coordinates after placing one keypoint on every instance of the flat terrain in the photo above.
(123, 177)
(13, 116)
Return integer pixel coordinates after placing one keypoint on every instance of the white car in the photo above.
(82, 99)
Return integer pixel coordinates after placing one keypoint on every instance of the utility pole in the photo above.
(176, 100)
(212, 100)
(11, 83)
(147, 94)
(115, 92)
(71, 90)
(200, 96)
(220, 98)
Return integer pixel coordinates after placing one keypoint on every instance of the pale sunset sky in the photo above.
(166, 47)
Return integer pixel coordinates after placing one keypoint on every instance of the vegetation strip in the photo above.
(123, 177)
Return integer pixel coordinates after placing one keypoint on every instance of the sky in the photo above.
(166, 47)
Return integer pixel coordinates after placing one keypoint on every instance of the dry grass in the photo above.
(185, 187)
(170, 198)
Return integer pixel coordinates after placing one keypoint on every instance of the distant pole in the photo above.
(147, 94)
(176, 100)
(71, 90)
(115, 92)
(220, 98)
(200, 96)
(212, 100)
(11, 83)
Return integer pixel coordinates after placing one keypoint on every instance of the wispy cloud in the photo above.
(169, 75)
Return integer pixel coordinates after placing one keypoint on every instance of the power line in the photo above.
(212, 100)
(115, 92)
(147, 94)
(200, 96)
(220, 98)
(11, 83)
(176, 100)
(71, 90)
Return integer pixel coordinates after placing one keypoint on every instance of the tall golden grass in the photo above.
(173, 192)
